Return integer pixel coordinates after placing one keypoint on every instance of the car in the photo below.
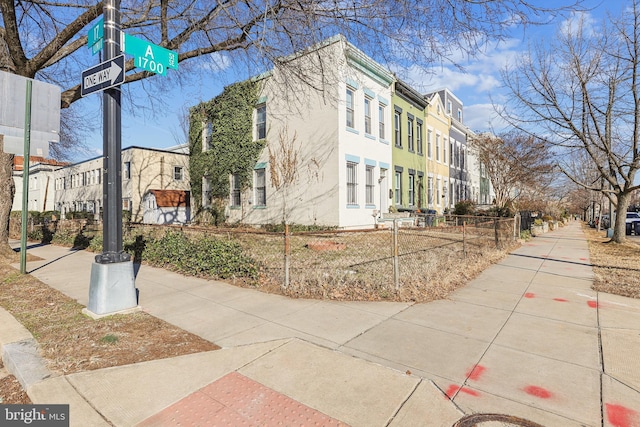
(633, 223)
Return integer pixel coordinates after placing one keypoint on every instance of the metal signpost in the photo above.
(112, 288)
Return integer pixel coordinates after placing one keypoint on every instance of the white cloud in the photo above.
(216, 62)
(483, 117)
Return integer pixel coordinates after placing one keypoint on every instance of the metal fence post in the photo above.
(287, 253)
(396, 261)
(464, 238)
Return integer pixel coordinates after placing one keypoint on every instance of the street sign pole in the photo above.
(112, 289)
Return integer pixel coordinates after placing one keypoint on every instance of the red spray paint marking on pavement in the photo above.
(583, 259)
(593, 304)
(619, 416)
(536, 391)
(561, 300)
(529, 295)
(453, 389)
(476, 372)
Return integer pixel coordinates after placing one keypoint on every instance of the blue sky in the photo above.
(477, 86)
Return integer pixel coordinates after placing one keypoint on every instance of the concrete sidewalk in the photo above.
(527, 338)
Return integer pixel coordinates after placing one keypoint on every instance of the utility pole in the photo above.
(112, 288)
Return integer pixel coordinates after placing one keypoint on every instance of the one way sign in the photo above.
(103, 76)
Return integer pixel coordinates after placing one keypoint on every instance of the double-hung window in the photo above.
(178, 174)
(410, 142)
(412, 189)
(437, 147)
(261, 121)
(381, 121)
(367, 115)
(398, 187)
(352, 183)
(369, 194)
(350, 108)
(419, 137)
(429, 143)
(397, 128)
(235, 190)
(260, 187)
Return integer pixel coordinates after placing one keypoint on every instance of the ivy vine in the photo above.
(232, 149)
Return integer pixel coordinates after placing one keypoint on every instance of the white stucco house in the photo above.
(339, 123)
(167, 207)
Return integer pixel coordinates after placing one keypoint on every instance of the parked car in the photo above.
(633, 223)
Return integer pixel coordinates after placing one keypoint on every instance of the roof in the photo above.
(18, 162)
(171, 198)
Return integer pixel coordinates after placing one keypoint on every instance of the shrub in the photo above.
(465, 207)
(205, 256)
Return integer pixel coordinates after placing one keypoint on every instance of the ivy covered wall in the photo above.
(231, 147)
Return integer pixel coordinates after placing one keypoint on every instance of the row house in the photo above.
(79, 187)
(340, 129)
(363, 143)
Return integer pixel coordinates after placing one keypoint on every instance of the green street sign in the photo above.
(149, 56)
(95, 38)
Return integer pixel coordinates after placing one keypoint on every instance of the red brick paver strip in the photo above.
(235, 400)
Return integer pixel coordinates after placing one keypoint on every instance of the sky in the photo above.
(477, 85)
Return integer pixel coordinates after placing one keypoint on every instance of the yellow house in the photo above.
(437, 124)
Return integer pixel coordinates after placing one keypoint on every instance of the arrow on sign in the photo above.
(103, 76)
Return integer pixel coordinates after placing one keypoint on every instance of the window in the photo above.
(462, 158)
(445, 144)
(412, 189)
(177, 173)
(419, 137)
(429, 137)
(430, 191)
(398, 133)
(350, 108)
(437, 147)
(352, 183)
(369, 198)
(127, 170)
(437, 191)
(126, 204)
(261, 121)
(460, 115)
(410, 145)
(398, 188)
(235, 190)
(381, 121)
(260, 187)
(452, 156)
(367, 115)
(449, 107)
(208, 136)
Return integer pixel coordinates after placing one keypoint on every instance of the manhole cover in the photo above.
(494, 420)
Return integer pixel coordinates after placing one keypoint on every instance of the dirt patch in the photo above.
(11, 391)
(616, 266)
(71, 342)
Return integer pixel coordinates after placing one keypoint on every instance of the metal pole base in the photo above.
(112, 288)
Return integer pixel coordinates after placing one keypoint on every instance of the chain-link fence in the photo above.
(399, 260)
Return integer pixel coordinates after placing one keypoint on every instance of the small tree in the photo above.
(283, 167)
(517, 164)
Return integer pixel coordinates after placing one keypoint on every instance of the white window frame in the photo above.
(352, 183)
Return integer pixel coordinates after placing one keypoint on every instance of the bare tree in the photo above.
(582, 93)
(284, 166)
(47, 40)
(518, 166)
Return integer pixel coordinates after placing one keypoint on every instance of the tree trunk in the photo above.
(7, 191)
(619, 231)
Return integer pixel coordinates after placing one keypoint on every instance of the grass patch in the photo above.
(616, 266)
